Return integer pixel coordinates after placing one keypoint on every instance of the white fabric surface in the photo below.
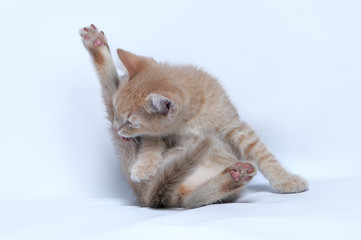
(329, 210)
(292, 69)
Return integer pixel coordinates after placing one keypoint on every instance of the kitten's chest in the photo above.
(182, 140)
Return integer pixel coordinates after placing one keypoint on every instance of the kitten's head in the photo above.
(148, 100)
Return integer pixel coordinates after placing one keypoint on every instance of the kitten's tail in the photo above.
(161, 190)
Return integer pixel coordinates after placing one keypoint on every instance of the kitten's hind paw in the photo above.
(92, 38)
(290, 184)
(242, 172)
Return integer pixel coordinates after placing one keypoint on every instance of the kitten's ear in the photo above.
(132, 62)
(162, 105)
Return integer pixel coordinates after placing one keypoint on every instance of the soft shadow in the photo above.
(260, 188)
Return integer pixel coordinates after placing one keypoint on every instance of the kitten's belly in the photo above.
(203, 174)
(216, 160)
(200, 176)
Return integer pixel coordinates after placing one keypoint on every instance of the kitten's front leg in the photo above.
(148, 160)
(250, 147)
(97, 45)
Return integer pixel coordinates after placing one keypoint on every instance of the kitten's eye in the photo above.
(131, 124)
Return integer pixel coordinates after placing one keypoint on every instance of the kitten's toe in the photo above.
(83, 32)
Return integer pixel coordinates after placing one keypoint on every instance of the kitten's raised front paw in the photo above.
(290, 184)
(242, 171)
(92, 38)
(143, 170)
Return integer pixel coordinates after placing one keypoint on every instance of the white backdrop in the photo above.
(292, 68)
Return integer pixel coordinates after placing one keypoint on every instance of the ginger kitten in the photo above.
(188, 109)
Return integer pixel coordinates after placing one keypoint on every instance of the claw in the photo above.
(93, 26)
(86, 29)
(102, 32)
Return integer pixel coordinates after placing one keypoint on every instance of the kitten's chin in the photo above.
(125, 138)
(131, 139)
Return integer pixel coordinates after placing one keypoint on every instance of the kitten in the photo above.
(158, 100)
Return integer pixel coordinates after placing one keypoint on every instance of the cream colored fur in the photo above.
(176, 110)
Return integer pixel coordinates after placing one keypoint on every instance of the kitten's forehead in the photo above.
(125, 105)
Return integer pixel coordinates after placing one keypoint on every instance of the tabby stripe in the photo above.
(235, 130)
(251, 146)
(264, 158)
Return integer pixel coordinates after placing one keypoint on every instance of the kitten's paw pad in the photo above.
(143, 171)
(91, 37)
(98, 42)
(291, 184)
(242, 171)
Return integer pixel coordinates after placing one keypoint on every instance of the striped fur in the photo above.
(189, 105)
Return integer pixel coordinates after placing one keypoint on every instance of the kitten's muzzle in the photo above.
(128, 138)
(122, 136)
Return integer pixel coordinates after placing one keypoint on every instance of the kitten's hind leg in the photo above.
(226, 186)
(97, 45)
(160, 193)
(249, 146)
